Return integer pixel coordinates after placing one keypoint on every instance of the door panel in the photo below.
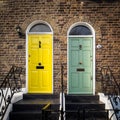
(80, 66)
(40, 64)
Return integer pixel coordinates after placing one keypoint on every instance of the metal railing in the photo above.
(62, 92)
(111, 87)
(11, 84)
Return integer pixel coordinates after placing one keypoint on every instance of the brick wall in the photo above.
(102, 15)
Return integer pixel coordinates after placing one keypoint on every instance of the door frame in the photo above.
(92, 36)
(27, 33)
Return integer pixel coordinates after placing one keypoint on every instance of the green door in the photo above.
(80, 65)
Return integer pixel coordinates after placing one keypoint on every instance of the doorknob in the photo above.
(80, 62)
(39, 63)
(80, 47)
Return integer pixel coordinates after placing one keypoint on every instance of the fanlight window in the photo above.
(40, 28)
(80, 30)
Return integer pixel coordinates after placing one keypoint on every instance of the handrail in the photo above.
(11, 84)
(62, 91)
(115, 102)
(109, 79)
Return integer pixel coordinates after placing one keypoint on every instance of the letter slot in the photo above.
(39, 67)
(80, 69)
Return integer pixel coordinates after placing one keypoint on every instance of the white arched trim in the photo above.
(83, 24)
(27, 33)
(36, 22)
(93, 36)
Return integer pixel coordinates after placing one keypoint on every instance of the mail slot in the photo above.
(80, 69)
(39, 67)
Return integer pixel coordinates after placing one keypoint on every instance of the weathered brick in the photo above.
(104, 16)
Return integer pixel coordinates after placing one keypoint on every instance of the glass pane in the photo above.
(40, 28)
(80, 30)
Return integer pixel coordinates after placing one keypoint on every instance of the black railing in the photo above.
(62, 93)
(11, 84)
(115, 101)
(111, 88)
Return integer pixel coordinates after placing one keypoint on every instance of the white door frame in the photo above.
(94, 63)
(27, 33)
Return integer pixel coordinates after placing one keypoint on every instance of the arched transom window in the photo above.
(40, 27)
(80, 30)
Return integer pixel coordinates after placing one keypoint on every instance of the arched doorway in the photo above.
(39, 58)
(81, 59)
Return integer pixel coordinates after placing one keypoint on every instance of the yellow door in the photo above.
(40, 63)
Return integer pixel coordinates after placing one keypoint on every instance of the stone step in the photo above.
(84, 107)
(86, 115)
(81, 98)
(26, 115)
(30, 108)
(40, 96)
